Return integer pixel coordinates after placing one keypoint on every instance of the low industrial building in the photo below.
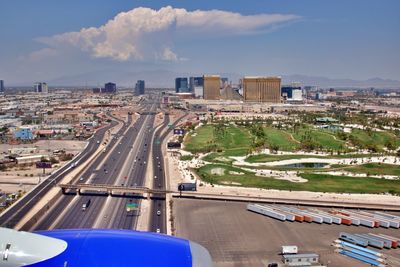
(301, 260)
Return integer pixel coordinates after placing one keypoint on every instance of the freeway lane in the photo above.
(88, 218)
(54, 213)
(106, 170)
(11, 216)
(158, 214)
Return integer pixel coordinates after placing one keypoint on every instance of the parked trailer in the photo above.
(391, 238)
(364, 220)
(393, 243)
(373, 242)
(361, 258)
(289, 215)
(353, 239)
(297, 217)
(350, 245)
(387, 215)
(383, 222)
(349, 220)
(264, 211)
(335, 219)
(392, 222)
(314, 217)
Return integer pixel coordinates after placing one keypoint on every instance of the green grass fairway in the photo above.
(375, 169)
(270, 157)
(201, 140)
(316, 182)
(322, 139)
(235, 141)
(362, 139)
(280, 138)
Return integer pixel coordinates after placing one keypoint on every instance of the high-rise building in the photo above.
(139, 87)
(41, 87)
(262, 89)
(196, 86)
(292, 92)
(110, 88)
(212, 84)
(96, 90)
(181, 85)
(224, 82)
(2, 86)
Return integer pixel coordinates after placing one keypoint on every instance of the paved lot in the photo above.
(237, 237)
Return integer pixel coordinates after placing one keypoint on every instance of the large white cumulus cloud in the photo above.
(144, 33)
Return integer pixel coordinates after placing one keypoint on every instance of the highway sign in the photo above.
(131, 206)
(43, 165)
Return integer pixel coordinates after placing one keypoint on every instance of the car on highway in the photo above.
(158, 212)
(98, 142)
(81, 179)
(86, 205)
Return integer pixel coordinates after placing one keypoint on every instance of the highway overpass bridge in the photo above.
(112, 190)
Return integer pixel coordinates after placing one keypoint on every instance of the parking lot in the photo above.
(237, 237)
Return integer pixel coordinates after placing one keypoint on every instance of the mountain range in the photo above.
(166, 78)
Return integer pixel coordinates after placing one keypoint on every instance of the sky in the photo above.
(44, 40)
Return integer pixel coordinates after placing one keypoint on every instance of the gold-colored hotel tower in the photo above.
(262, 89)
(212, 86)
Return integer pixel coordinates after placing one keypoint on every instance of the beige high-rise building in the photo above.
(262, 89)
(211, 85)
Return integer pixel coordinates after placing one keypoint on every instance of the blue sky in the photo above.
(337, 39)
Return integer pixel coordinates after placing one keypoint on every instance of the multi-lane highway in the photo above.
(15, 213)
(125, 163)
(128, 159)
(158, 214)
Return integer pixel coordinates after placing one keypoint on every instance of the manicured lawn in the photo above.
(186, 157)
(364, 138)
(316, 182)
(201, 140)
(322, 139)
(271, 157)
(375, 169)
(280, 138)
(218, 158)
(235, 141)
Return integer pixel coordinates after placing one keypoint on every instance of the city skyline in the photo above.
(267, 38)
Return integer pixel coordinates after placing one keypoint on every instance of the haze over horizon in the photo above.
(355, 40)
